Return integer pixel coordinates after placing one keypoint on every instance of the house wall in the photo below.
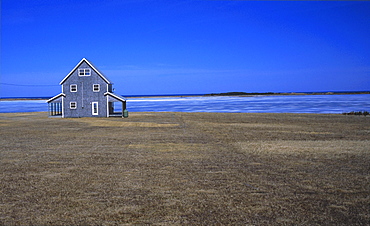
(85, 94)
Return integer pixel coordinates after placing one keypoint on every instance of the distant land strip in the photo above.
(286, 93)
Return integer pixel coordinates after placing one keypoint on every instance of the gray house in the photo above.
(86, 92)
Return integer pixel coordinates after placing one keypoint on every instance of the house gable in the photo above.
(84, 63)
(83, 88)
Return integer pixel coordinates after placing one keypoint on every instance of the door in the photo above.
(95, 108)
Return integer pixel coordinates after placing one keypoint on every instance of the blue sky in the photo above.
(149, 47)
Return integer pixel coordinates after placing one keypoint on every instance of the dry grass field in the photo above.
(185, 168)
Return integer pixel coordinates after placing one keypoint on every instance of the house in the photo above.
(86, 92)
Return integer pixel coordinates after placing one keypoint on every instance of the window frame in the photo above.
(93, 108)
(98, 88)
(84, 72)
(71, 105)
(71, 89)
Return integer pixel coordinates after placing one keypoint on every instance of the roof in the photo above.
(55, 97)
(92, 66)
(116, 96)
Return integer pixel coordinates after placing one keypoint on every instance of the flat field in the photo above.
(185, 168)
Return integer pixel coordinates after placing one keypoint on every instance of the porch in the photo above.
(55, 107)
(117, 110)
(116, 105)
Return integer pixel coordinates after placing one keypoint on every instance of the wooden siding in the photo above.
(85, 94)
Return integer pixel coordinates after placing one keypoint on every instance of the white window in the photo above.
(94, 109)
(84, 72)
(73, 88)
(72, 105)
(96, 87)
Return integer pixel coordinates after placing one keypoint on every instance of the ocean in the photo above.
(335, 104)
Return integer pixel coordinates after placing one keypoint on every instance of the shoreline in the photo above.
(230, 94)
(352, 113)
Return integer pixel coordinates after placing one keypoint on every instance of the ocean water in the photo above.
(255, 104)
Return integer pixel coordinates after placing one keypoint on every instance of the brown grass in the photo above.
(185, 168)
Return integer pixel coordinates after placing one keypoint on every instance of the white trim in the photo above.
(63, 106)
(93, 108)
(56, 97)
(70, 88)
(70, 105)
(85, 60)
(94, 87)
(115, 96)
(107, 106)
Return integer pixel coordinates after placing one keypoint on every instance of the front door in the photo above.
(95, 108)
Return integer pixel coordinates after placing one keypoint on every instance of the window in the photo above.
(94, 108)
(72, 105)
(96, 87)
(73, 88)
(84, 72)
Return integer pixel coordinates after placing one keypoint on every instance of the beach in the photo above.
(175, 168)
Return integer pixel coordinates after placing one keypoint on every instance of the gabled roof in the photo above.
(116, 96)
(92, 66)
(55, 97)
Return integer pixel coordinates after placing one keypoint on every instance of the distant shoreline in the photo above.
(286, 93)
(240, 94)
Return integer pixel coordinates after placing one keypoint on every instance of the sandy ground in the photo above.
(185, 168)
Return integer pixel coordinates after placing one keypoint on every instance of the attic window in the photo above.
(84, 72)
